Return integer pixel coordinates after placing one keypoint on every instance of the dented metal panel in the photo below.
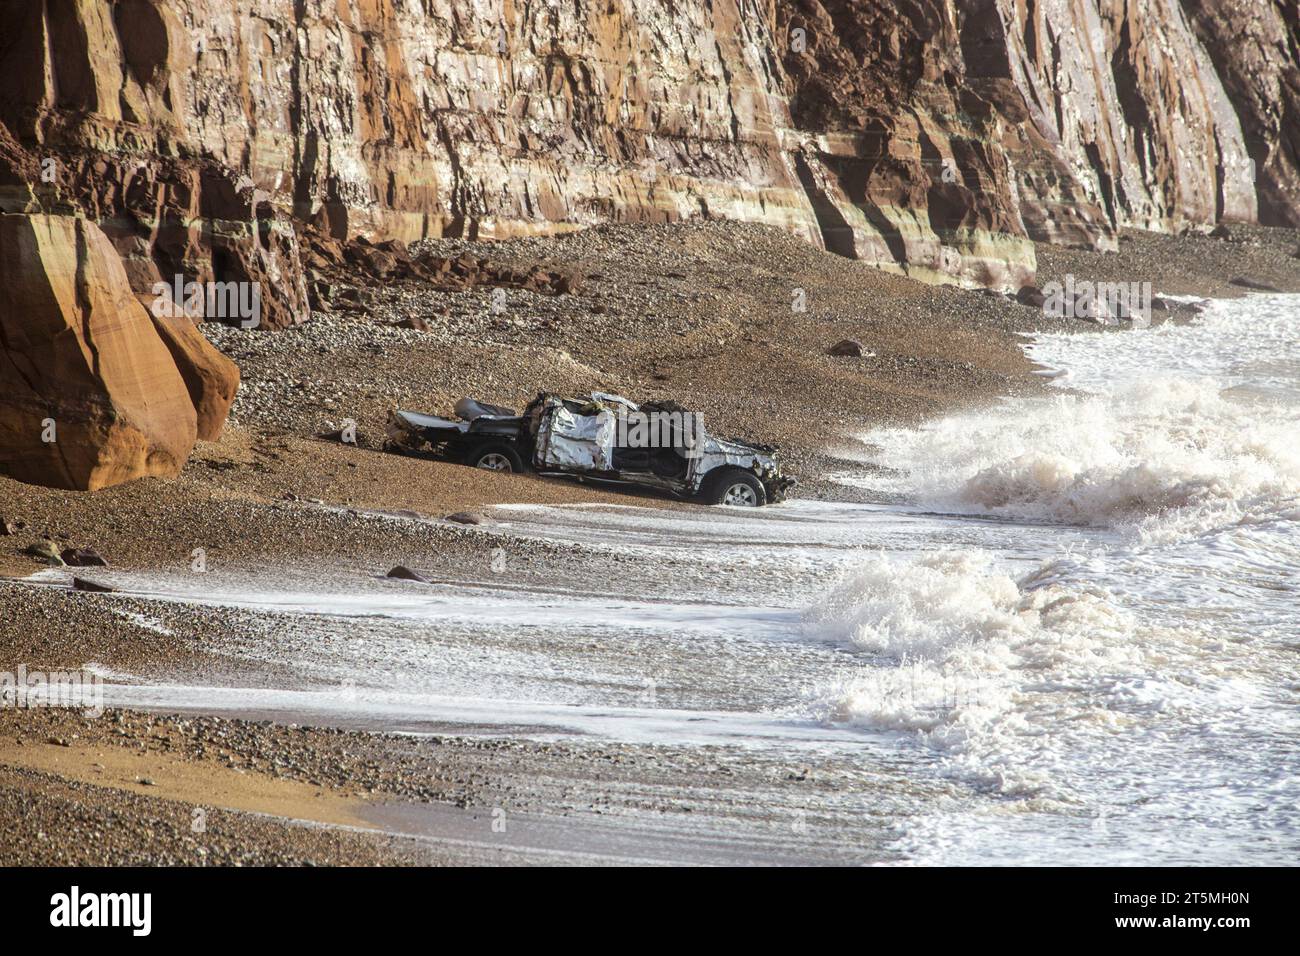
(588, 435)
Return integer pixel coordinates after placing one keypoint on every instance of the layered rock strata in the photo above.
(932, 137)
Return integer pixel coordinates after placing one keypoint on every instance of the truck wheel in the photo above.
(495, 456)
(735, 487)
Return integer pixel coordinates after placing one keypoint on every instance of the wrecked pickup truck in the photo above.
(657, 445)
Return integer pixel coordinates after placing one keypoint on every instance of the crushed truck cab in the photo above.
(602, 437)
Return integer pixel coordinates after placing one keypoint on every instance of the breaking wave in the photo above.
(1171, 456)
(1161, 622)
(956, 650)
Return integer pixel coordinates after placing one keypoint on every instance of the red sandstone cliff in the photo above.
(934, 137)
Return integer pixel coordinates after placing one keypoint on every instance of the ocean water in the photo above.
(1144, 679)
(1074, 635)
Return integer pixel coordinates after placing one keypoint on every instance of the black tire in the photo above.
(727, 486)
(495, 456)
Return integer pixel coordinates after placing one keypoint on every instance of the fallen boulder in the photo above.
(93, 390)
(81, 584)
(413, 322)
(406, 574)
(45, 550)
(379, 263)
(1244, 282)
(846, 348)
(1032, 296)
(465, 517)
(318, 295)
(83, 558)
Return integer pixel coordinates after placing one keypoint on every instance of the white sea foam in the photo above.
(1169, 449)
(961, 653)
(1142, 676)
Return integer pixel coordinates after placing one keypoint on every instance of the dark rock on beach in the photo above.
(847, 348)
(82, 584)
(413, 322)
(1031, 295)
(46, 551)
(1245, 282)
(402, 572)
(83, 558)
(465, 517)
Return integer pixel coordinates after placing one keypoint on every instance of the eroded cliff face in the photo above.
(932, 137)
(1122, 118)
(1255, 46)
